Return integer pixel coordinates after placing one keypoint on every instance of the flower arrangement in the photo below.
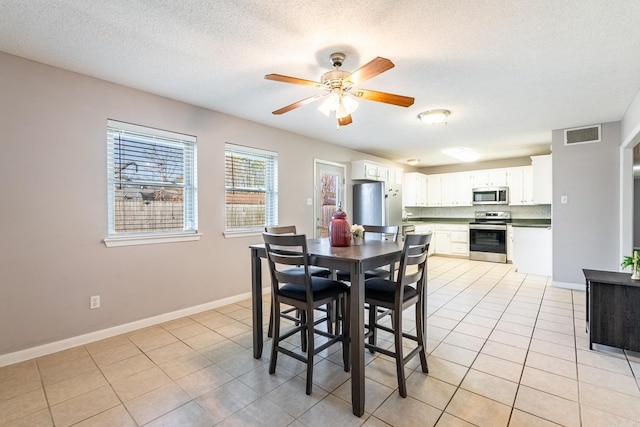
(357, 231)
(633, 262)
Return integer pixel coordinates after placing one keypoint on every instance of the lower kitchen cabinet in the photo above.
(426, 229)
(452, 239)
(532, 250)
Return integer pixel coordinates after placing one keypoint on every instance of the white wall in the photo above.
(586, 230)
(54, 208)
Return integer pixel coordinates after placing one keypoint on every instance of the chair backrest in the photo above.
(414, 253)
(281, 229)
(285, 251)
(381, 232)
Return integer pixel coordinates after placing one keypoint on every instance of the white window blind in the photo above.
(151, 181)
(251, 189)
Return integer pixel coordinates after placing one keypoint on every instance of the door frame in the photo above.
(316, 185)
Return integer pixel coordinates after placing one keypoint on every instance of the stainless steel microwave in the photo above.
(491, 196)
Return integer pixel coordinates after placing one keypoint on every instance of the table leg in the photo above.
(256, 302)
(357, 339)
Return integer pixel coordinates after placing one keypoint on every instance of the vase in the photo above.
(357, 241)
(339, 229)
(635, 275)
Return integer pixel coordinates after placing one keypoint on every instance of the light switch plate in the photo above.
(564, 200)
(309, 201)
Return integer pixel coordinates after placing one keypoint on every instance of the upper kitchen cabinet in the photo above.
(521, 185)
(542, 184)
(371, 171)
(456, 189)
(414, 192)
(489, 178)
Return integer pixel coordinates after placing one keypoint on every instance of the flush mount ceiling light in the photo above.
(461, 153)
(434, 117)
(413, 162)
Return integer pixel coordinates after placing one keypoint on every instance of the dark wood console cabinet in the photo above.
(613, 309)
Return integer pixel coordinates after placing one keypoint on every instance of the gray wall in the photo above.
(54, 209)
(586, 230)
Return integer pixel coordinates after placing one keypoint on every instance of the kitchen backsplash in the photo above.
(517, 212)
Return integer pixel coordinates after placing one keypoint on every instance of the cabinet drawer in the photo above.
(442, 227)
(460, 227)
(459, 237)
(460, 248)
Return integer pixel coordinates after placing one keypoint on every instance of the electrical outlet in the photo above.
(94, 302)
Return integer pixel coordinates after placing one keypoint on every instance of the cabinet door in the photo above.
(410, 190)
(542, 181)
(434, 190)
(448, 189)
(463, 189)
(520, 185)
(443, 242)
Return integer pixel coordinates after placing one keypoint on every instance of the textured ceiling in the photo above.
(510, 71)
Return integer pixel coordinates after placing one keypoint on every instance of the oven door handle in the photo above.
(487, 227)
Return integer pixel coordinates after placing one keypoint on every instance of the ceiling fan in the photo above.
(340, 89)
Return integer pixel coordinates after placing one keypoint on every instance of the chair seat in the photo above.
(322, 288)
(315, 271)
(385, 290)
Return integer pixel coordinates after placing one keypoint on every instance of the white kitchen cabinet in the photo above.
(520, 185)
(463, 189)
(426, 229)
(509, 243)
(460, 239)
(443, 239)
(490, 178)
(542, 179)
(532, 250)
(414, 192)
(370, 171)
(434, 190)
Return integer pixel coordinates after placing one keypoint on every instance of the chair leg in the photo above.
(303, 334)
(373, 330)
(346, 325)
(310, 348)
(420, 334)
(275, 341)
(397, 332)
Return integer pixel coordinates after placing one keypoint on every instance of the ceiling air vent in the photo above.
(582, 135)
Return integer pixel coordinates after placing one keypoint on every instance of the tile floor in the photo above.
(506, 349)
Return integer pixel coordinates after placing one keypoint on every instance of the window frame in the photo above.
(271, 190)
(189, 186)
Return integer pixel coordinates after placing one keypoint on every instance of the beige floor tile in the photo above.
(241, 363)
(429, 390)
(550, 383)
(448, 420)
(260, 413)
(505, 369)
(156, 403)
(227, 399)
(602, 378)
(204, 340)
(190, 414)
(442, 322)
(592, 417)
(189, 330)
(548, 406)
(84, 406)
(216, 322)
(178, 323)
(67, 389)
(487, 322)
(116, 416)
(615, 363)
(510, 339)
(126, 368)
(551, 364)
(24, 371)
(523, 419)
(53, 372)
(455, 354)
(383, 370)
(138, 384)
(518, 319)
(41, 418)
(562, 328)
(467, 328)
(107, 344)
(61, 357)
(514, 328)
(204, 380)
(185, 365)
(609, 401)
(398, 411)
(169, 352)
(490, 386)
(553, 349)
(115, 354)
(22, 405)
(329, 375)
(290, 397)
(505, 351)
(478, 410)
(554, 337)
(375, 393)
(20, 383)
(153, 338)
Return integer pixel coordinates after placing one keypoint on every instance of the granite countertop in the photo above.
(517, 222)
(534, 223)
(414, 220)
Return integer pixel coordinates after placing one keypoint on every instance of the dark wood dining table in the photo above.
(355, 259)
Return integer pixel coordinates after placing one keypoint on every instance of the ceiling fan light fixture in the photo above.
(434, 117)
(330, 104)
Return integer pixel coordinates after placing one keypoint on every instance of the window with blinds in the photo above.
(251, 189)
(151, 181)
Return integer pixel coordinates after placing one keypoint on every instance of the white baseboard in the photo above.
(42, 350)
(569, 285)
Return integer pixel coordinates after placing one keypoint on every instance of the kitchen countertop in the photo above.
(533, 223)
(517, 222)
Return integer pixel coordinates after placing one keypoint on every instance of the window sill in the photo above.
(113, 242)
(248, 233)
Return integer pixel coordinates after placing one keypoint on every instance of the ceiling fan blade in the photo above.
(294, 80)
(371, 69)
(387, 98)
(298, 104)
(347, 120)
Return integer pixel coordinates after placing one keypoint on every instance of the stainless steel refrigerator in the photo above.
(377, 203)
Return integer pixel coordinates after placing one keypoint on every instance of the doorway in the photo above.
(329, 193)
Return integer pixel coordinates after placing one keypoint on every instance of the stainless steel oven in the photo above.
(488, 236)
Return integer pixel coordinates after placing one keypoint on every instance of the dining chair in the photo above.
(315, 271)
(408, 290)
(378, 232)
(306, 293)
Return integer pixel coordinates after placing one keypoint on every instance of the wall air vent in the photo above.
(582, 135)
